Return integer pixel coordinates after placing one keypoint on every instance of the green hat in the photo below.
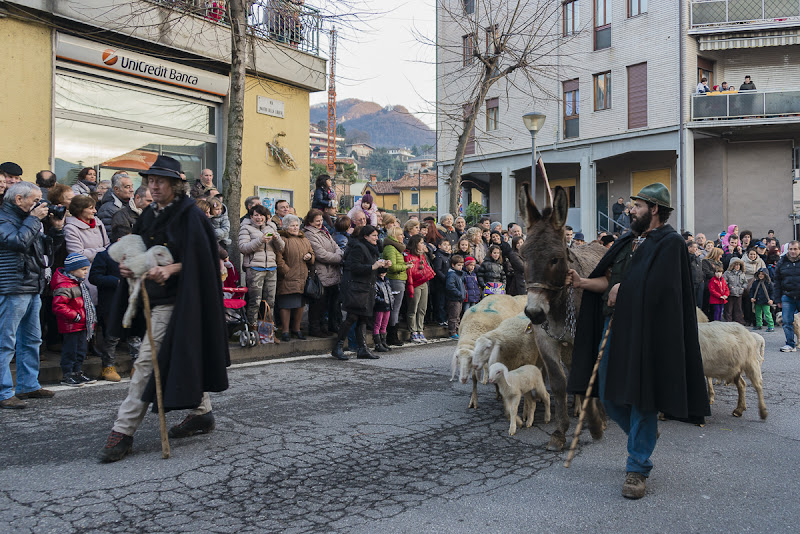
(656, 193)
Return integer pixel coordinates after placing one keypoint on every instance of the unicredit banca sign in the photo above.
(123, 61)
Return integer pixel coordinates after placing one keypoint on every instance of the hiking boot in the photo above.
(634, 486)
(38, 394)
(363, 353)
(71, 380)
(83, 378)
(110, 374)
(117, 447)
(193, 424)
(338, 351)
(13, 403)
(788, 348)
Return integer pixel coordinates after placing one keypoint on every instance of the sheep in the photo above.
(515, 384)
(132, 251)
(479, 319)
(511, 343)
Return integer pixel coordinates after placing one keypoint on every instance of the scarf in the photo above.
(88, 306)
(132, 205)
(90, 224)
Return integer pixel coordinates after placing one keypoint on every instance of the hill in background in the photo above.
(388, 127)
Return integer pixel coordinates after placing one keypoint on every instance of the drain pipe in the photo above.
(681, 172)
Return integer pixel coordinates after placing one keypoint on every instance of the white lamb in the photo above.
(516, 384)
(511, 343)
(131, 251)
(479, 319)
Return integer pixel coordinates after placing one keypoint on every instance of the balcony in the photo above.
(280, 21)
(714, 16)
(751, 105)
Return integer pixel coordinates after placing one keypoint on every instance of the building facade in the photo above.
(112, 85)
(621, 110)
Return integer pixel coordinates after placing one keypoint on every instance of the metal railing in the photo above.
(282, 21)
(746, 104)
(709, 13)
(609, 225)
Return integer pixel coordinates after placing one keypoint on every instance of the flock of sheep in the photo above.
(495, 338)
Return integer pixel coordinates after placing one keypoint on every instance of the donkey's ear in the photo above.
(560, 208)
(527, 207)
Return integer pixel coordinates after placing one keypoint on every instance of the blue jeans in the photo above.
(73, 352)
(20, 333)
(640, 426)
(790, 307)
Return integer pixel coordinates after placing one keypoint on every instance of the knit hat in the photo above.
(470, 259)
(579, 237)
(75, 261)
(367, 198)
(761, 244)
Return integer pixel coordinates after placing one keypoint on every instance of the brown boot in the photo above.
(110, 374)
(634, 486)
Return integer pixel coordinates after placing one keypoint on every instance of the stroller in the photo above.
(235, 316)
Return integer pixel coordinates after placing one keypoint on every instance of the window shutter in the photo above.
(637, 96)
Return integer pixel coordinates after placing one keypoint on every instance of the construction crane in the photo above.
(332, 109)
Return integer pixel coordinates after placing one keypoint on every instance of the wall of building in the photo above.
(427, 199)
(25, 89)
(258, 167)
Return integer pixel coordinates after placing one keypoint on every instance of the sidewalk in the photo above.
(50, 370)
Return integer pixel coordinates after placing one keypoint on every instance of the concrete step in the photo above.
(50, 370)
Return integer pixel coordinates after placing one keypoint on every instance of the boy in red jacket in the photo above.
(75, 313)
(718, 293)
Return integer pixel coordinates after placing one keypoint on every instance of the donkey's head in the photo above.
(545, 253)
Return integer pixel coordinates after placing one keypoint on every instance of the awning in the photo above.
(729, 41)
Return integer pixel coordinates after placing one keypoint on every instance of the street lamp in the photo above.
(533, 122)
(419, 194)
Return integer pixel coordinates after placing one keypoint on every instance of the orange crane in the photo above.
(332, 108)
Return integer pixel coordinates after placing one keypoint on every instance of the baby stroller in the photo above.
(235, 316)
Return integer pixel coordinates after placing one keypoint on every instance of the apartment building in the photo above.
(618, 95)
(112, 84)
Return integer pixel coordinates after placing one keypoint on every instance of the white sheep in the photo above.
(131, 251)
(511, 343)
(728, 350)
(479, 319)
(516, 384)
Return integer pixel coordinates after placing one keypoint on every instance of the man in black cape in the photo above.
(652, 360)
(187, 318)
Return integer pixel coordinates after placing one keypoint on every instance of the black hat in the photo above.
(11, 168)
(164, 166)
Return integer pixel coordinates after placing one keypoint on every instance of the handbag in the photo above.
(266, 328)
(313, 289)
(494, 288)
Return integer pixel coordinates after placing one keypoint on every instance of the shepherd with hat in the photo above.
(188, 328)
(651, 362)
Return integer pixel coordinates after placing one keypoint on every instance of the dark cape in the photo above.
(193, 355)
(654, 361)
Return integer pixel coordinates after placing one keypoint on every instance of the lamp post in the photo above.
(419, 194)
(533, 122)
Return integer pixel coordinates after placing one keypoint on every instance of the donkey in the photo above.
(553, 307)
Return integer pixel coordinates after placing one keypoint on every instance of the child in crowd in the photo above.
(219, 221)
(417, 286)
(456, 294)
(204, 206)
(368, 207)
(718, 293)
(342, 234)
(74, 311)
(492, 274)
(471, 283)
(761, 297)
(230, 276)
(441, 266)
(383, 308)
(104, 274)
(737, 283)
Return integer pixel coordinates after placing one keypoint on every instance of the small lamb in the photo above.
(516, 384)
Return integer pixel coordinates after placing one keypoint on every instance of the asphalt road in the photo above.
(317, 445)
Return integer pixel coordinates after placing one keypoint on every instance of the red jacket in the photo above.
(420, 273)
(718, 288)
(67, 303)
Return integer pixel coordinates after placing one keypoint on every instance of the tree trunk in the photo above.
(232, 175)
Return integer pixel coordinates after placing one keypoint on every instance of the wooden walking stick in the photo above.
(162, 417)
(587, 398)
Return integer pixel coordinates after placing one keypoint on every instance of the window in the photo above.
(571, 109)
(636, 7)
(602, 25)
(470, 147)
(469, 6)
(468, 48)
(414, 199)
(602, 91)
(571, 17)
(705, 69)
(637, 96)
(492, 114)
(492, 39)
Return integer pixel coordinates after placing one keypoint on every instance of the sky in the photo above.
(383, 60)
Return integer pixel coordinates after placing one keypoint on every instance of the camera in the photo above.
(58, 212)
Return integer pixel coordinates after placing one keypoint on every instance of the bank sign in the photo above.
(123, 61)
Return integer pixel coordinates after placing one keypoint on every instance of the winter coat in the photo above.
(516, 275)
(122, 222)
(474, 291)
(752, 267)
(757, 290)
(110, 205)
(787, 278)
(358, 277)
(341, 239)
(323, 198)
(736, 280)
(708, 269)
(624, 220)
(81, 238)
(198, 189)
(455, 288)
(718, 288)
(384, 300)
(255, 253)
(328, 262)
(441, 265)
(490, 271)
(450, 235)
(68, 305)
(104, 275)
(419, 273)
(371, 213)
(22, 250)
(222, 226)
(292, 269)
(82, 187)
(696, 268)
(393, 251)
(728, 256)
(479, 252)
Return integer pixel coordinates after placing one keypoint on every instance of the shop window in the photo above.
(602, 24)
(571, 16)
(636, 7)
(492, 114)
(572, 109)
(602, 91)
